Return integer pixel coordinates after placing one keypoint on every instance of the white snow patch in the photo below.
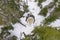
(55, 23)
(19, 29)
(46, 3)
(38, 20)
(33, 7)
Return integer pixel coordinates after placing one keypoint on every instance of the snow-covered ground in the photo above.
(19, 29)
(34, 9)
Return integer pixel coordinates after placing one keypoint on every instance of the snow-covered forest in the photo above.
(29, 19)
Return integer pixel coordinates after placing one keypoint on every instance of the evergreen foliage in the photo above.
(5, 32)
(45, 33)
(40, 1)
(50, 19)
(11, 10)
(10, 13)
(43, 11)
